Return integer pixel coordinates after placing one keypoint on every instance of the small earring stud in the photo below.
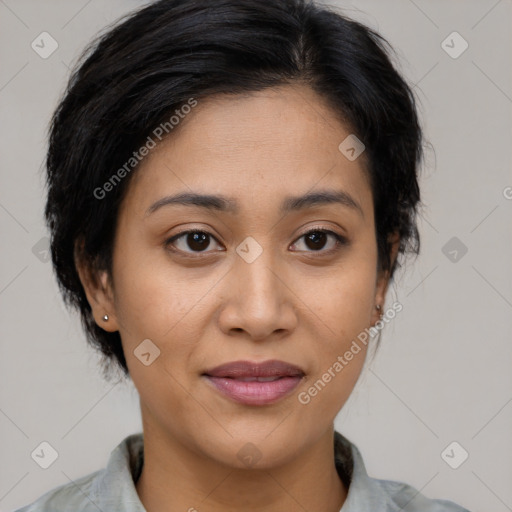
(378, 307)
(105, 318)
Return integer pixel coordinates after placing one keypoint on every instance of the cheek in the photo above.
(159, 301)
(149, 294)
(342, 305)
(344, 298)
(156, 303)
(344, 315)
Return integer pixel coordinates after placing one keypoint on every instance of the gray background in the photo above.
(443, 372)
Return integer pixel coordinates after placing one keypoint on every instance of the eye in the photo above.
(316, 239)
(196, 240)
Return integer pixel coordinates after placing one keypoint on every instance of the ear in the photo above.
(98, 289)
(383, 278)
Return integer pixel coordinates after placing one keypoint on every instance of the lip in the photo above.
(241, 380)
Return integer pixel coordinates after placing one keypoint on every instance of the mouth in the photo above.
(253, 383)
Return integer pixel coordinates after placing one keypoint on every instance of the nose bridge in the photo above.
(255, 271)
(259, 302)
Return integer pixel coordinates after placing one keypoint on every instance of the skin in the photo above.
(293, 303)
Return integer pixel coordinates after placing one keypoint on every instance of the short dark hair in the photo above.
(135, 75)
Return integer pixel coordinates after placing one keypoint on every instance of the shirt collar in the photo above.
(364, 492)
(116, 483)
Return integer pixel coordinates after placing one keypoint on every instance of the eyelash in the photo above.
(340, 242)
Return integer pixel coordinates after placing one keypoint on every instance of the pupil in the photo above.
(314, 237)
(199, 239)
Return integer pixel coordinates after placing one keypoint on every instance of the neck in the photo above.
(174, 479)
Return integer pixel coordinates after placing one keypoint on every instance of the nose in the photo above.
(258, 299)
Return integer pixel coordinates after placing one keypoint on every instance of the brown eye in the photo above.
(191, 241)
(197, 241)
(316, 240)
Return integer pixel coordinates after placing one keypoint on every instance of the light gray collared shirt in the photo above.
(112, 489)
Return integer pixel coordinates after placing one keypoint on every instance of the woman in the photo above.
(231, 186)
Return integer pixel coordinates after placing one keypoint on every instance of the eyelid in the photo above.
(168, 242)
(341, 240)
(321, 228)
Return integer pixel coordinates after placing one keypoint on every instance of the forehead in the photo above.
(257, 146)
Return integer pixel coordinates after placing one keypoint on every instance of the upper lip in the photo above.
(270, 368)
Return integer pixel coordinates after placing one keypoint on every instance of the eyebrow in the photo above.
(229, 205)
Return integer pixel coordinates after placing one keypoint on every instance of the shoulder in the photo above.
(114, 484)
(408, 499)
(66, 497)
(367, 493)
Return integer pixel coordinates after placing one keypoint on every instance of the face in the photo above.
(260, 277)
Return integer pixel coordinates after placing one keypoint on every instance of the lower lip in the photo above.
(254, 392)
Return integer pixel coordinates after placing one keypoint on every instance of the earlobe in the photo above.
(108, 323)
(104, 311)
(383, 278)
(99, 293)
